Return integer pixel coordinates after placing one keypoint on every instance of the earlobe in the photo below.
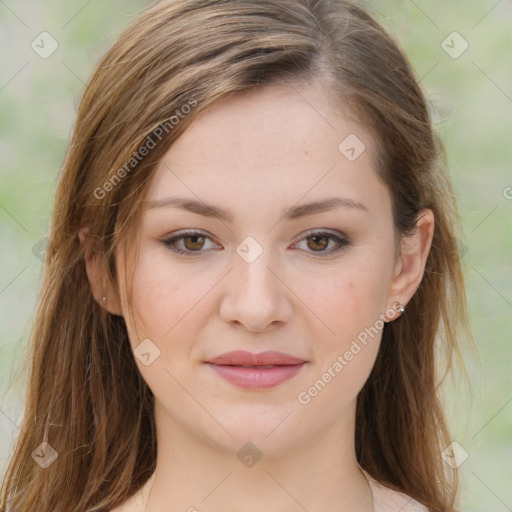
(394, 312)
(104, 293)
(414, 253)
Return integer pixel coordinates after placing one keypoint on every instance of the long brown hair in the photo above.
(85, 396)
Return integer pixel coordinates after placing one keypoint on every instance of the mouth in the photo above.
(256, 371)
(251, 366)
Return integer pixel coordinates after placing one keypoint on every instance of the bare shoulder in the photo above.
(388, 500)
(137, 502)
(129, 505)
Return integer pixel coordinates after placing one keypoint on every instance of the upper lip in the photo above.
(243, 358)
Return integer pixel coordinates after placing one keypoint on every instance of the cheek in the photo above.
(350, 304)
(350, 297)
(164, 297)
(350, 307)
(169, 311)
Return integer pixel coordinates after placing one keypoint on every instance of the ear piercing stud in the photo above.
(401, 308)
(104, 299)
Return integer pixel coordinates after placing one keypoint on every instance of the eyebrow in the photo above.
(295, 212)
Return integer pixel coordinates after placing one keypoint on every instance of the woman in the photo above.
(252, 255)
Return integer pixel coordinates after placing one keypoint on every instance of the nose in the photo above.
(256, 296)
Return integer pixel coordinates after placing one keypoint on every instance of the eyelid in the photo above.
(180, 235)
(338, 236)
(323, 231)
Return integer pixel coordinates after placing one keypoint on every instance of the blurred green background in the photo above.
(471, 95)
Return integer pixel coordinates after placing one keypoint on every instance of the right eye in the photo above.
(192, 242)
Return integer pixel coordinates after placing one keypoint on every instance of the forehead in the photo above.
(279, 142)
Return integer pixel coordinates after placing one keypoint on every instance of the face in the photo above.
(232, 258)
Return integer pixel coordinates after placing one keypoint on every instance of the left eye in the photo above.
(317, 242)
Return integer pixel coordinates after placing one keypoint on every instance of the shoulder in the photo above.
(388, 500)
(129, 505)
(137, 502)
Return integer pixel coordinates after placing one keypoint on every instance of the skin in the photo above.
(256, 155)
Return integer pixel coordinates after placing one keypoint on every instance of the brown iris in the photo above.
(321, 242)
(197, 242)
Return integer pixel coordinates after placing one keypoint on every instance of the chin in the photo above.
(272, 430)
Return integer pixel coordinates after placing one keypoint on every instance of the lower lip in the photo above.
(254, 378)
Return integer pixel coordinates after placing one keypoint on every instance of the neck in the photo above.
(196, 475)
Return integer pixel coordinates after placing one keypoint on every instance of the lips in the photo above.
(243, 358)
(256, 371)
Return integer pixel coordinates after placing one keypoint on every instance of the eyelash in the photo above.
(342, 241)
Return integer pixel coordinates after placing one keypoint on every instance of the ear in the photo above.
(97, 276)
(410, 267)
